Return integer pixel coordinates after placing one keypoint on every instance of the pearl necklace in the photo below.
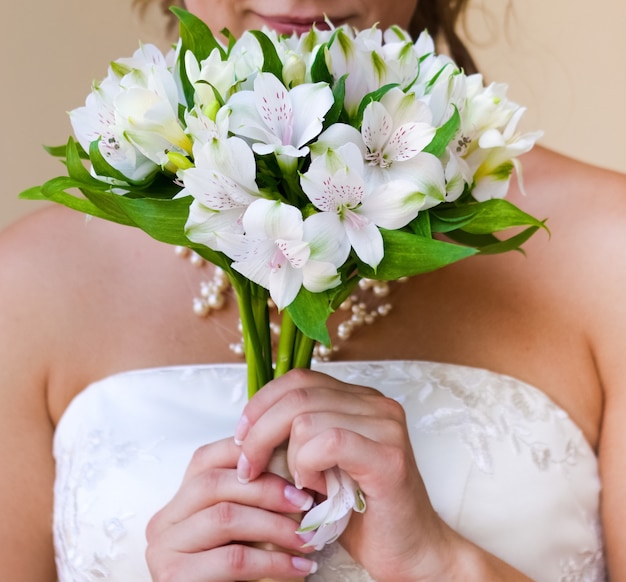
(362, 308)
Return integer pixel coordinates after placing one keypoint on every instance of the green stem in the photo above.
(286, 344)
(304, 351)
(254, 334)
(262, 322)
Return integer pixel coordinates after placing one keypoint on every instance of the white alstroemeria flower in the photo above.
(484, 108)
(149, 115)
(96, 121)
(202, 128)
(361, 58)
(277, 119)
(394, 131)
(494, 160)
(330, 518)
(393, 134)
(274, 253)
(247, 57)
(212, 74)
(143, 59)
(305, 46)
(353, 208)
(223, 185)
(401, 56)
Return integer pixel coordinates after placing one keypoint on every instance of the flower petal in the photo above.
(364, 237)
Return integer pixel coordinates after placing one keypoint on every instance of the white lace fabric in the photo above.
(503, 465)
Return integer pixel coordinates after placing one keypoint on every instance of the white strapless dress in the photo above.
(503, 465)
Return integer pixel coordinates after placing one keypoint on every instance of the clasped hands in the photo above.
(227, 500)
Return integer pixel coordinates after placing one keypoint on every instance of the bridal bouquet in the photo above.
(299, 165)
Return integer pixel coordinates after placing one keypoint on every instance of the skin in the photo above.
(553, 317)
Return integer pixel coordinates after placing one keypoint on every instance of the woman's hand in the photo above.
(203, 533)
(330, 423)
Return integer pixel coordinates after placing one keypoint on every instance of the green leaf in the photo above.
(55, 191)
(336, 109)
(60, 151)
(196, 37)
(488, 244)
(499, 214)
(421, 225)
(444, 135)
(101, 166)
(310, 311)
(271, 60)
(319, 67)
(408, 254)
(75, 167)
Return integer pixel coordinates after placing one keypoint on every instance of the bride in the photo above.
(481, 415)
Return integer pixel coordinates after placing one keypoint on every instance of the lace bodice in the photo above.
(502, 464)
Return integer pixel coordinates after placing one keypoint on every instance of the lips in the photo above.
(299, 25)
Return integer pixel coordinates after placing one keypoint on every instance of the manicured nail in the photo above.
(306, 536)
(296, 480)
(243, 469)
(304, 565)
(241, 430)
(301, 499)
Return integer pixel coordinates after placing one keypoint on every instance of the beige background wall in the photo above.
(564, 59)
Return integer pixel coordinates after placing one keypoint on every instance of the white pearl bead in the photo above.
(324, 351)
(237, 349)
(200, 308)
(384, 309)
(196, 260)
(381, 290)
(215, 301)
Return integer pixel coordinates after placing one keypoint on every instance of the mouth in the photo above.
(299, 25)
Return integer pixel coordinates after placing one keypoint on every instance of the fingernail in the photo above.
(241, 430)
(306, 536)
(296, 480)
(243, 469)
(304, 565)
(301, 499)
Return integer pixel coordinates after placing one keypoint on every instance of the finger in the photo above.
(216, 485)
(306, 427)
(274, 390)
(223, 453)
(274, 426)
(228, 563)
(379, 468)
(228, 522)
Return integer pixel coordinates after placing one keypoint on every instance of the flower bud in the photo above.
(294, 70)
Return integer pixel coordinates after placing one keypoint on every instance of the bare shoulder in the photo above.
(587, 209)
(27, 343)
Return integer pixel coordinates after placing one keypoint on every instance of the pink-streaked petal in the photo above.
(377, 126)
(273, 104)
(295, 252)
(408, 140)
(256, 268)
